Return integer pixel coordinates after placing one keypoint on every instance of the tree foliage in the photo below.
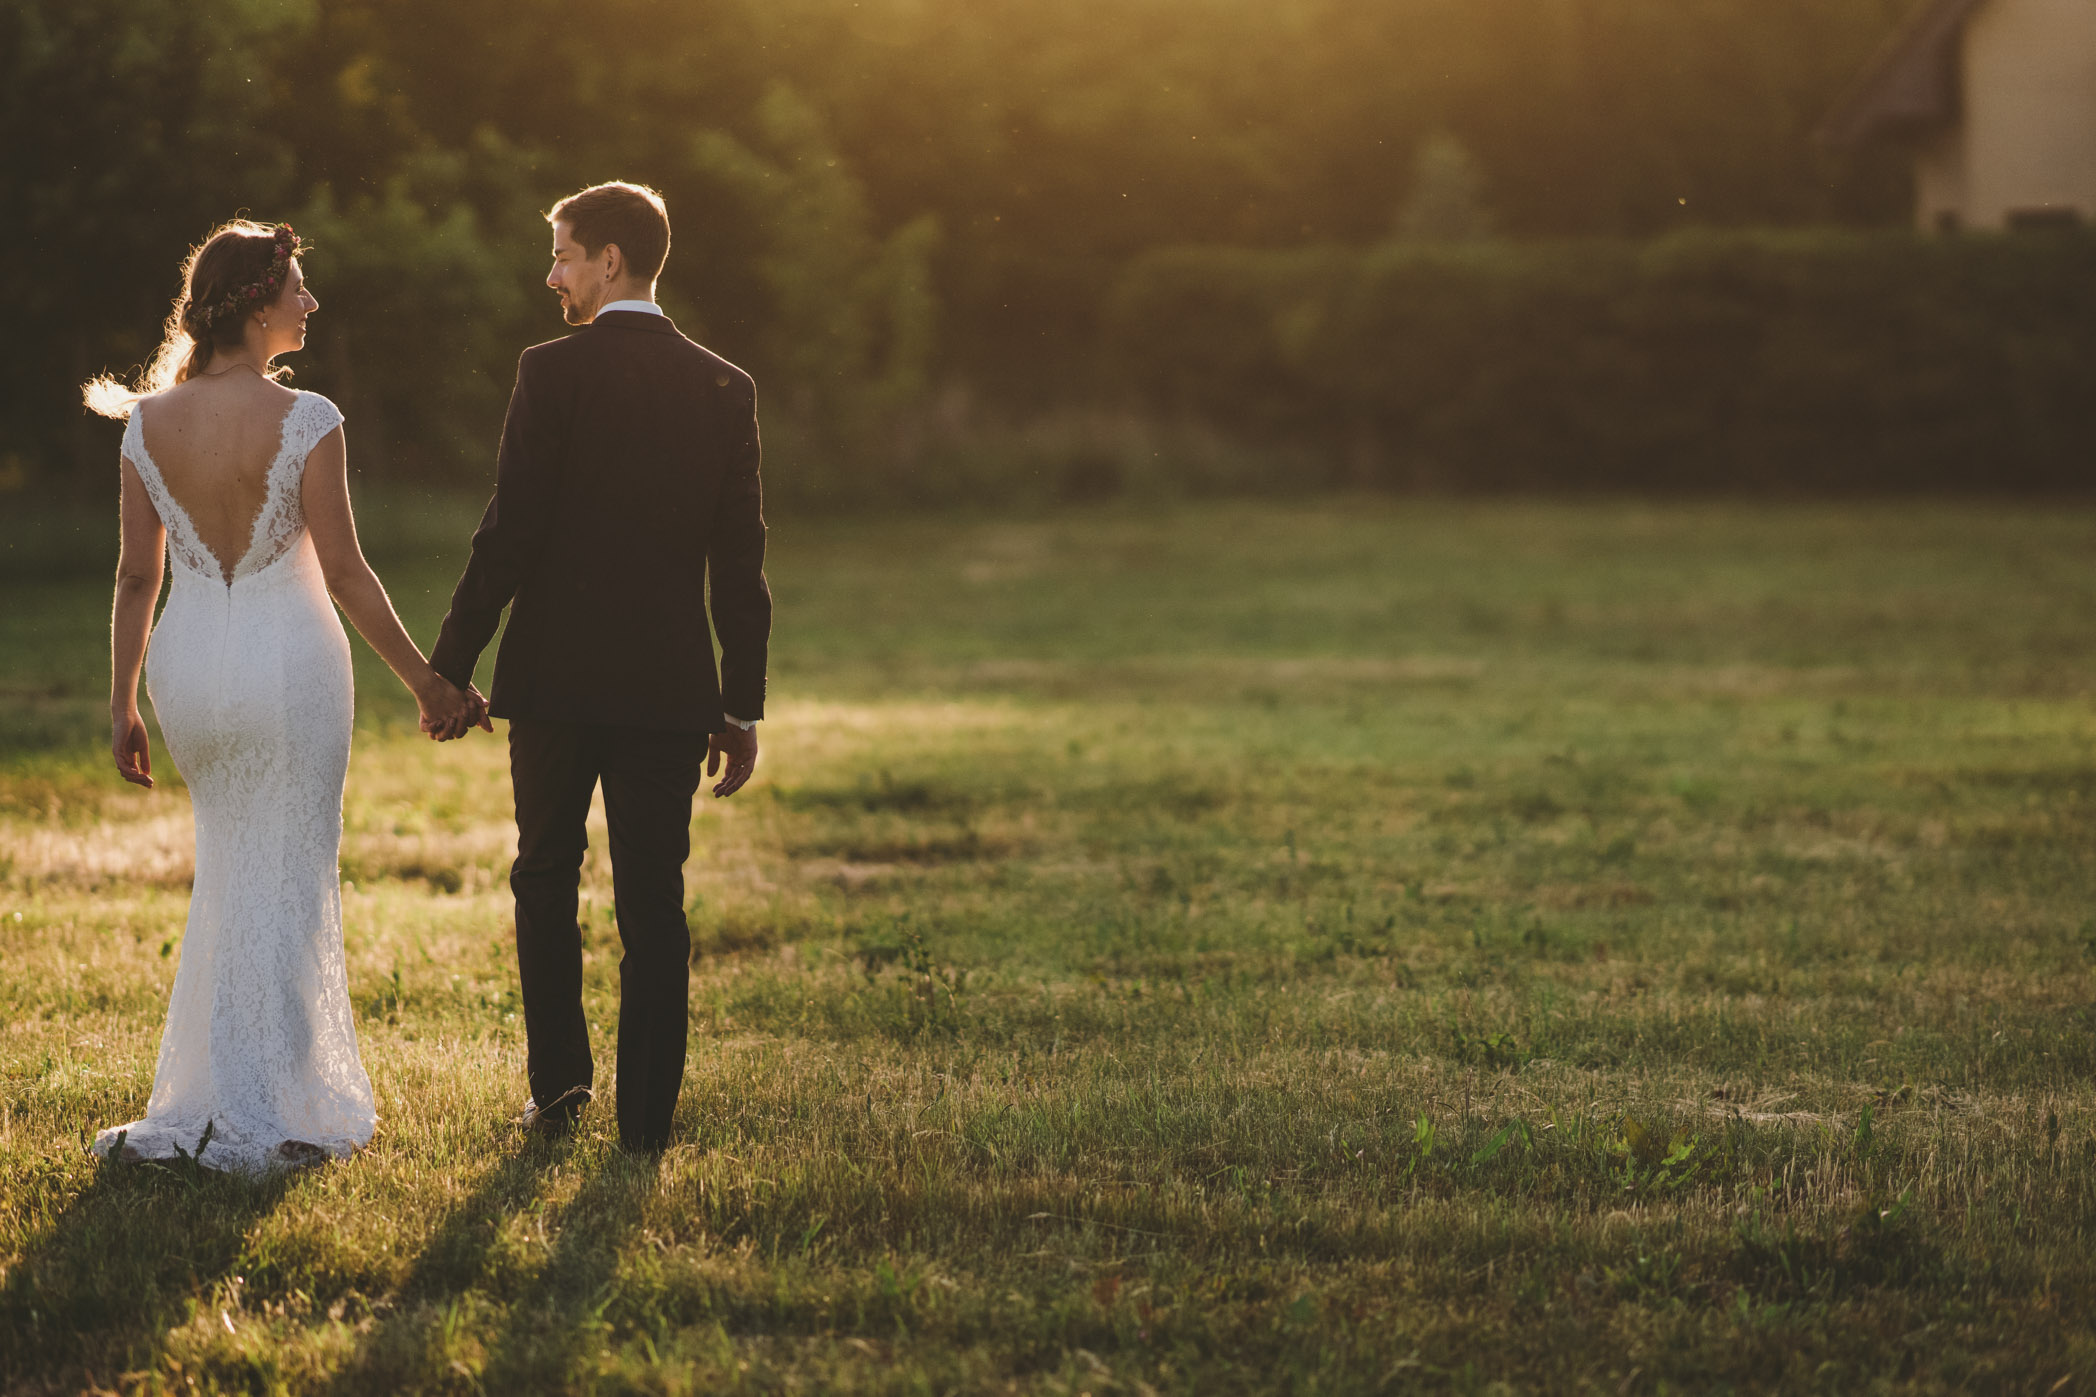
(869, 196)
(1702, 360)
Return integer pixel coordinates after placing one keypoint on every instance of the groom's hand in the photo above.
(739, 747)
(449, 712)
(472, 713)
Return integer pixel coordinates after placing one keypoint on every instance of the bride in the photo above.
(244, 482)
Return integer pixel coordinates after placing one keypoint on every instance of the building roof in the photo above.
(1912, 84)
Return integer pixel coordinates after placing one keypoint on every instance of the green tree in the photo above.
(425, 303)
(853, 314)
(130, 128)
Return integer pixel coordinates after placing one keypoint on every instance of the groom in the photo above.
(626, 483)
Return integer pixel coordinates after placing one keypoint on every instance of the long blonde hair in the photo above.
(236, 254)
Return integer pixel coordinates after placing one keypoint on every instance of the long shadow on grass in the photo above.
(455, 1270)
(97, 1292)
(556, 1323)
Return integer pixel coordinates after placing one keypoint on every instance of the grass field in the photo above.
(1369, 947)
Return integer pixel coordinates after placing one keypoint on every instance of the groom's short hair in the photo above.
(631, 215)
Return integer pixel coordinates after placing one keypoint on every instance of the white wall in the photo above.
(2028, 136)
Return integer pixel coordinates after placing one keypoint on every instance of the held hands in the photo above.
(739, 746)
(450, 712)
(129, 745)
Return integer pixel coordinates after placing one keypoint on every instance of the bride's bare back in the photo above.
(213, 439)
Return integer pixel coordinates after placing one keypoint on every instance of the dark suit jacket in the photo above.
(627, 480)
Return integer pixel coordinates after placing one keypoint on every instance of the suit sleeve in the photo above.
(741, 599)
(513, 530)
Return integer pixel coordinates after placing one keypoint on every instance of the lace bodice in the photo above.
(282, 518)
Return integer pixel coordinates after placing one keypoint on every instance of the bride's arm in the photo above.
(141, 563)
(446, 710)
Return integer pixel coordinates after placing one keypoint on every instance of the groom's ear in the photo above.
(614, 261)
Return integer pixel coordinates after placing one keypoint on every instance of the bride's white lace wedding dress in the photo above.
(249, 674)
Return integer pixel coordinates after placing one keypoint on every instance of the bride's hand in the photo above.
(132, 749)
(447, 710)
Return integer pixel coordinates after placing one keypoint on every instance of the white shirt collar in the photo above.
(644, 307)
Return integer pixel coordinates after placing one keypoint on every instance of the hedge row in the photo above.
(1700, 362)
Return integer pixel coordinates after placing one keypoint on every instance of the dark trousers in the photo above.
(649, 778)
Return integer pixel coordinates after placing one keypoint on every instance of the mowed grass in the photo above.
(1351, 948)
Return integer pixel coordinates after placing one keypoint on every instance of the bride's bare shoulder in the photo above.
(220, 394)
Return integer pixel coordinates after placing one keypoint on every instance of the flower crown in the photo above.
(261, 290)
